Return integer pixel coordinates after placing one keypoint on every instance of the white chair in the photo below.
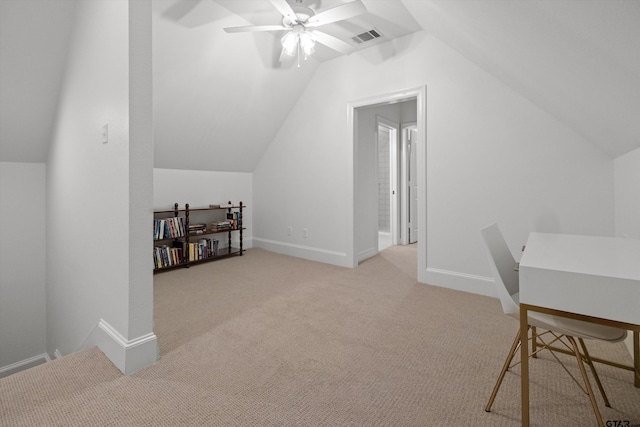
(505, 273)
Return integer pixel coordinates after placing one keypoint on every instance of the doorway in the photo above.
(397, 182)
(363, 241)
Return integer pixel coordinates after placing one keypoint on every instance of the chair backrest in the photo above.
(504, 268)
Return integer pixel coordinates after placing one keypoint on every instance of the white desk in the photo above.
(590, 278)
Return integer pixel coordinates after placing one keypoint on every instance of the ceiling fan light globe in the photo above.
(307, 43)
(289, 43)
(308, 51)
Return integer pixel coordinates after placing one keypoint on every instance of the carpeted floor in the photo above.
(271, 340)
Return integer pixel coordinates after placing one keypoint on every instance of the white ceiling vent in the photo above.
(367, 36)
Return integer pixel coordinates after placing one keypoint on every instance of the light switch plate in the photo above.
(105, 133)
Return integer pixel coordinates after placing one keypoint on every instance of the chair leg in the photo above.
(505, 368)
(534, 342)
(595, 374)
(587, 384)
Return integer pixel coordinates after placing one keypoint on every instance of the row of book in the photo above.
(235, 218)
(168, 228)
(174, 227)
(167, 256)
(203, 248)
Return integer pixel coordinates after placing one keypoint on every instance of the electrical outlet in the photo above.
(305, 232)
(289, 231)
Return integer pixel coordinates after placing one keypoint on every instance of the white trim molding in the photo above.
(366, 254)
(480, 285)
(24, 364)
(127, 355)
(306, 252)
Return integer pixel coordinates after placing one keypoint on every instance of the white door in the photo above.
(384, 186)
(387, 170)
(412, 184)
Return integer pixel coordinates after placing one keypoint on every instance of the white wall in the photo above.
(22, 262)
(491, 156)
(202, 188)
(99, 194)
(627, 199)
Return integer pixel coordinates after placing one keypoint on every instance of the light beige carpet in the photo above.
(271, 340)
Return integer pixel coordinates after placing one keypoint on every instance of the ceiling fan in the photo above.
(301, 23)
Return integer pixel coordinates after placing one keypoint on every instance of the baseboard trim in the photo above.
(30, 362)
(480, 285)
(127, 355)
(306, 252)
(366, 254)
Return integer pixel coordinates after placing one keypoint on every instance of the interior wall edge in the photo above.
(128, 355)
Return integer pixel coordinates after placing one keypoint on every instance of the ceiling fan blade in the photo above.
(179, 10)
(338, 13)
(333, 42)
(254, 28)
(285, 9)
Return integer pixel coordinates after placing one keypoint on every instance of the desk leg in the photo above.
(524, 364)
(636, 358)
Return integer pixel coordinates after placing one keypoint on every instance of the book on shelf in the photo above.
(167, 256)
(202, 249)
(220, 225)
(168, 228)
(197, 228)
(235, 218)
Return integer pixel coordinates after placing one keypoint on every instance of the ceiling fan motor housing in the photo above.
(302, 15)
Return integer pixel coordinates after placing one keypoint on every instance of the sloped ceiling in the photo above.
(578, 60)
(220, 98)
(34, 37)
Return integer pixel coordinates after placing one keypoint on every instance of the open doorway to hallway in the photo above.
(396, 148)
(407, 108)
(387, 176)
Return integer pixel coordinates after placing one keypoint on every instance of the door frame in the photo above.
(420, 94)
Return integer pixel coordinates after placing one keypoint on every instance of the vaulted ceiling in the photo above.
(578, 60)
(34, 37)
(219, 99)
